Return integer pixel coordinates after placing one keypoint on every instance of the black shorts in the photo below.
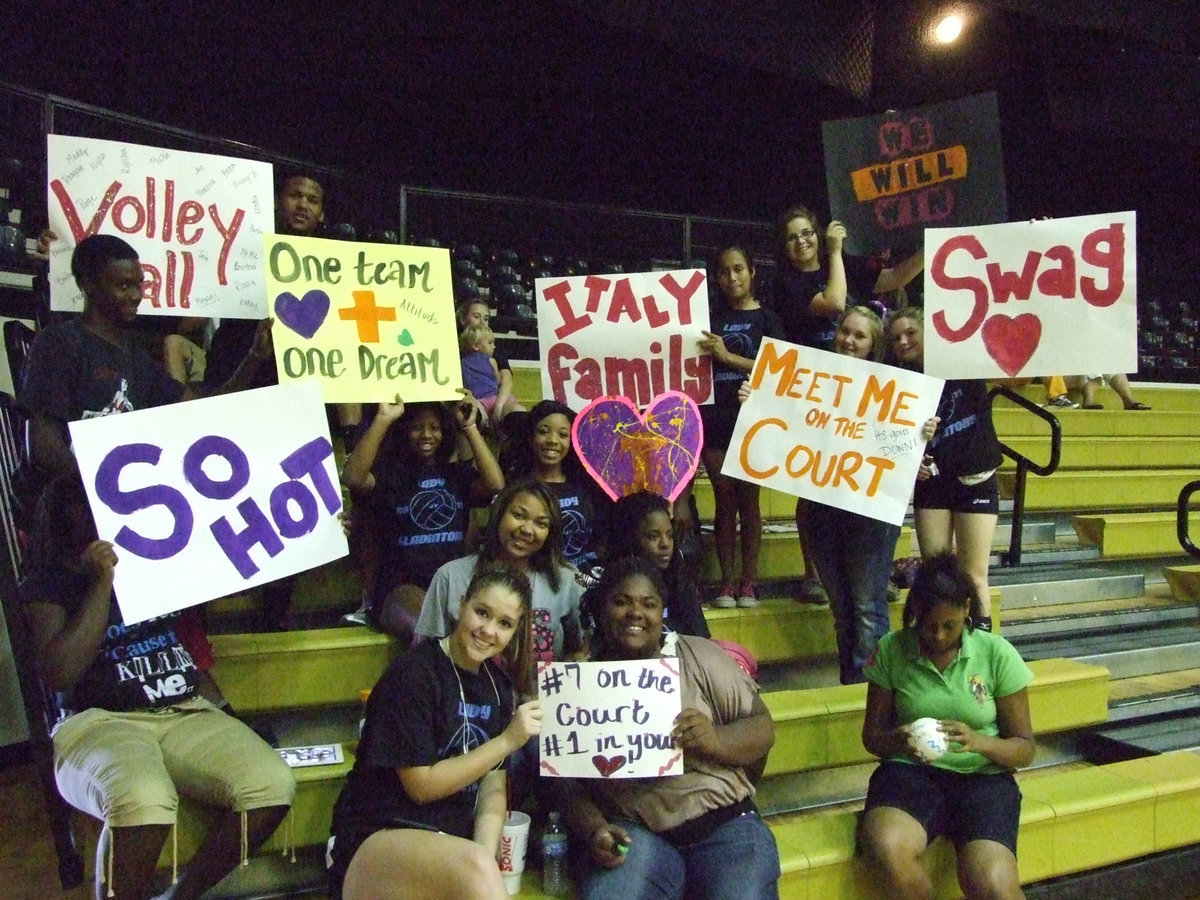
(947, 492)
(964, 808)
(718, 427)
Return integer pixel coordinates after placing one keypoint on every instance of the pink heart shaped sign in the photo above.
(1011, 342)
(627, 451)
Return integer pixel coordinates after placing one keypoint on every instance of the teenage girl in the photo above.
(737, 330)
(956, 501)
(423, 808)
(642, 527)
(416, 500)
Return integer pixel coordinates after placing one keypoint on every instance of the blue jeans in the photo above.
(853, 555)
(737, 861)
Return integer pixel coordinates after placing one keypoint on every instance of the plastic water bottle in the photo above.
(554, 857)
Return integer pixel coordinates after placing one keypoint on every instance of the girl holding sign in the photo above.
(812, 285)
(956, 501)
(423, 808)
(696, 834)
(737, 330)
(416, 499)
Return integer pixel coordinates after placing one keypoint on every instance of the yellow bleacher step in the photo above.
(1071, 490)
(822, 727)
(1013, 422)
(1096, 452)
(290, 669)
(779, 555)
(1184, 581)
(1133, 534)
(1071, 821)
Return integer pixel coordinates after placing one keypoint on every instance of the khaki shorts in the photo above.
(129, 768)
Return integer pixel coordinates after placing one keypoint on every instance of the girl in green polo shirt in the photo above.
(974, 684)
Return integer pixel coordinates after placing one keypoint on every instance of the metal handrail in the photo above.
(1026, 465)
(1181, 518)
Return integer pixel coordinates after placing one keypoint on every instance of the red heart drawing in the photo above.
(627, 451)
(606, 766)
(1011, 342)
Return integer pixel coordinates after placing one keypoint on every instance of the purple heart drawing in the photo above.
(627, 451)
(304, 315)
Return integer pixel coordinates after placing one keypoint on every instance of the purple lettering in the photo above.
(108, 489)
(237, 544)
(308, 461)
(215, 445)
(281, 512)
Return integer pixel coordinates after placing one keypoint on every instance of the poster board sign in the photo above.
(1021, 299)
(211, 497)
(368, 321)
(890, 176)
(632, 335)
(842, 431)
(626, 451)
(196, 221)
(609, 719)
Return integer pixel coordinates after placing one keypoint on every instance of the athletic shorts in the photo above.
(964, 808)
(947, 492)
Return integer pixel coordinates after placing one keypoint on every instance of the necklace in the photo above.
(462, 697)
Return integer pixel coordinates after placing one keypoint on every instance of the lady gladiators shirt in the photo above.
(417, 717)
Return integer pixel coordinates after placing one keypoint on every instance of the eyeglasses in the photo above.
(806, 235)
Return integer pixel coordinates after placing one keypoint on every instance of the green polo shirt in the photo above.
(987, 667)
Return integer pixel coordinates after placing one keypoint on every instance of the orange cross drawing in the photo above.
(367, 315)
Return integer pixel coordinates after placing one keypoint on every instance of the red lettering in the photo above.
(1006, 284)
(557, 294)
(623, 301)
(152, 284)
(559, 373)
(168, 209)
(683, 294)
(655, 317)
(1112, 259)
(68, 207)
(228, 236)
(1059, 282)
(937, 272)
(190, 212)
(118, 212)
(596, 286)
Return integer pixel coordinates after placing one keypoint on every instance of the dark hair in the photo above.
(519, 460)
(940, 579)
(93, 253)
(518, 655)
(615, 574)
(627, 516)
(781, 225)
(548, 560)
(399, 450)
(284, 176)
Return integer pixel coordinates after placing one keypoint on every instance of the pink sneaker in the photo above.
(747, 595)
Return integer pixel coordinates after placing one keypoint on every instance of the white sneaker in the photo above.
(725, 599)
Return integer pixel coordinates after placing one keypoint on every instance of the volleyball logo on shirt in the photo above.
(433, 509)
(739, 344)
(575, 532)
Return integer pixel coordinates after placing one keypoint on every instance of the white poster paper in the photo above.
(196, 220)
(1022, 299)
(210, 497)
(609, 719)
(633, 335)
(831, 428)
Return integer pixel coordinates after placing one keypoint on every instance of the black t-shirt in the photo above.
(743, 331)
(230, 343)
(142, 666)
(794, 291)
(75, 374)
(422, 515)
(965, 442)
(416, 717)
(585, 518)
